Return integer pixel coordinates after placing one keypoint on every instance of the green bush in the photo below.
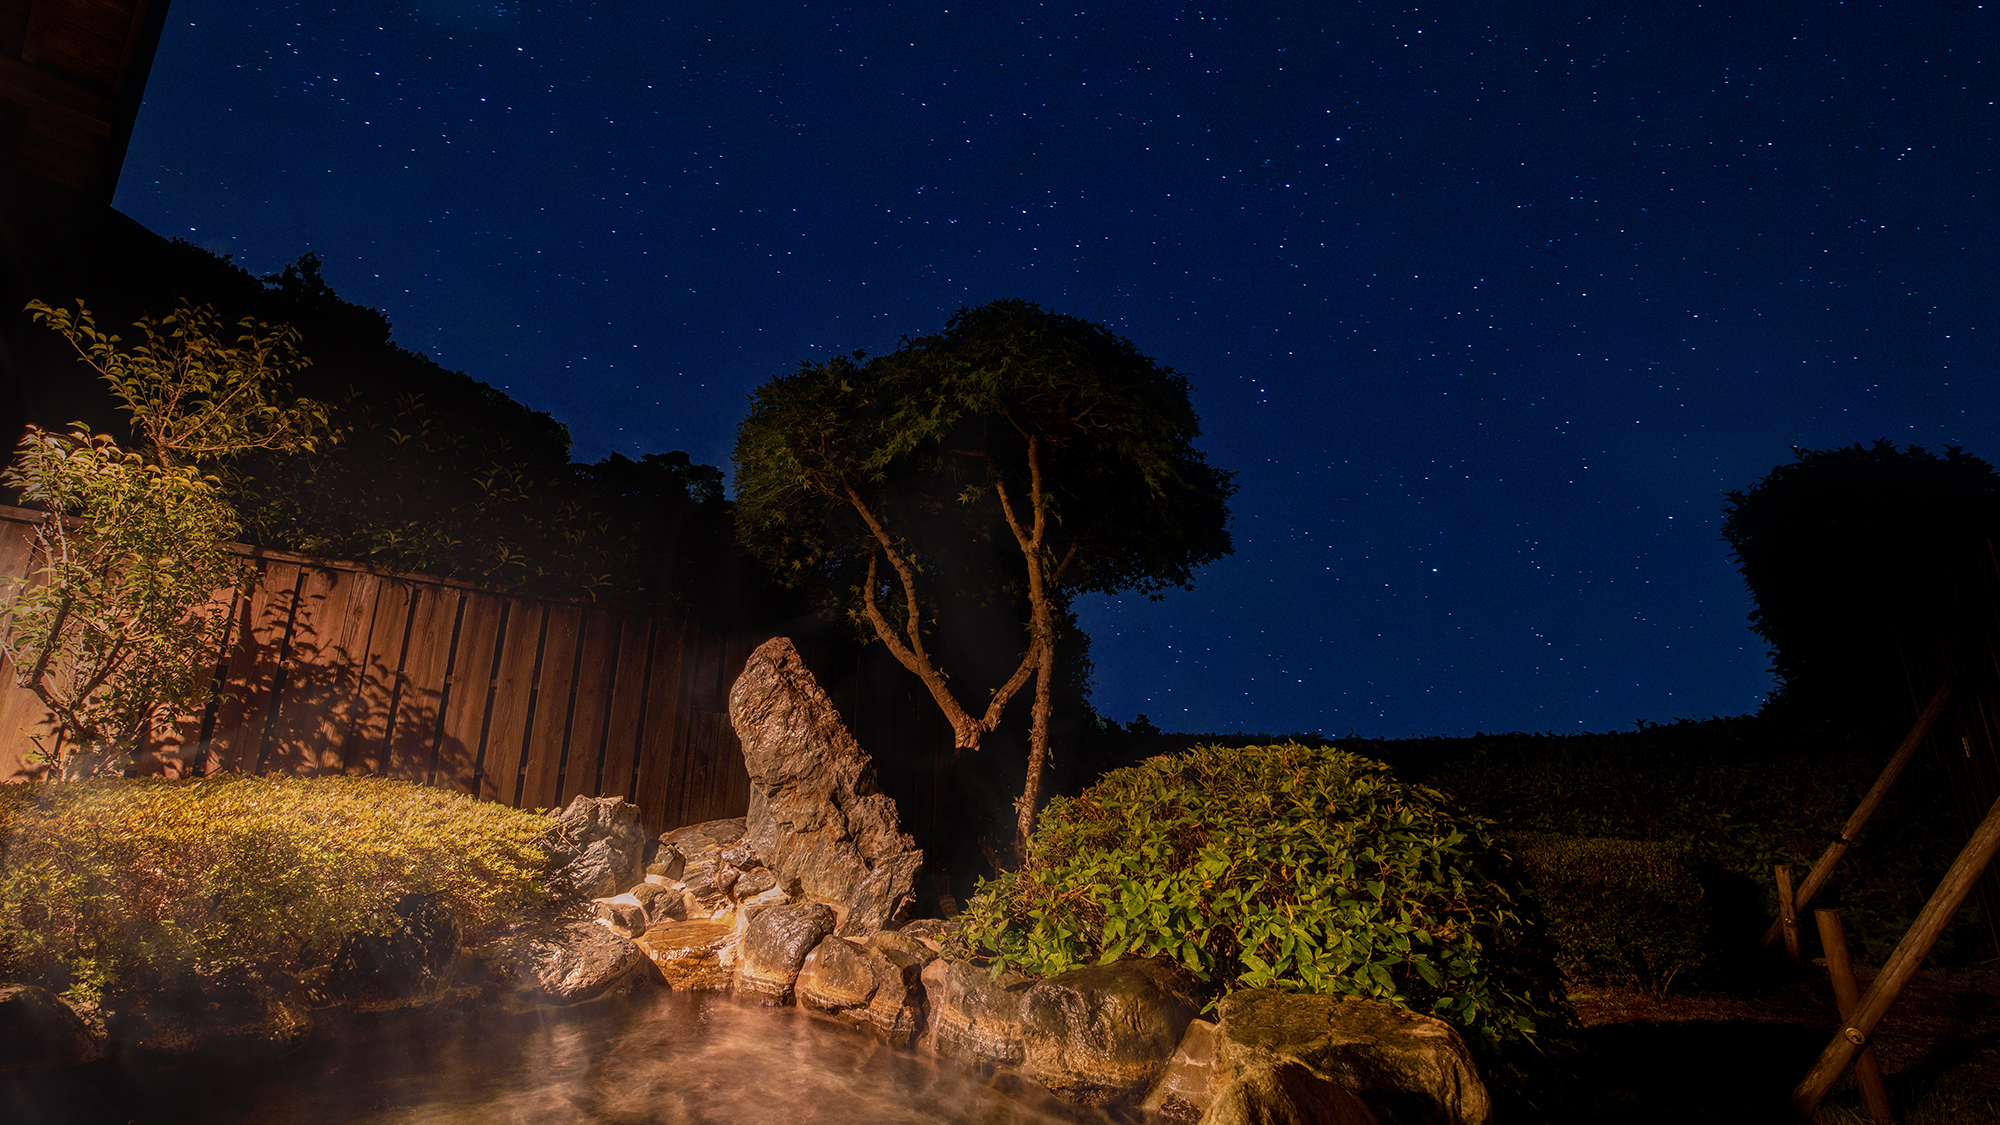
(99, 878)
(1287, 866)
(1620, 911)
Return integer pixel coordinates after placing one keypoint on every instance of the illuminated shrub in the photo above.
(1291, 867)
(100, 877)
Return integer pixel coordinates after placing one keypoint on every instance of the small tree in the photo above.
(117, 623)
(1014, 426)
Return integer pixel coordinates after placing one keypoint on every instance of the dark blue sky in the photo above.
(1487, 304)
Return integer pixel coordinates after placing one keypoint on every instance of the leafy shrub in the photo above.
(1622, 911)
(1287, 866)
(99, 878)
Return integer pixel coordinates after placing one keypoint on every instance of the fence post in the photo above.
(1867, 1068)
(1788, 912)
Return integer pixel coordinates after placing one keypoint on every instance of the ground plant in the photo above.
(1302, 868)
(102, 878)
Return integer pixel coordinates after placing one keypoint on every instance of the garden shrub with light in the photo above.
(102, 878)
(1291, 867)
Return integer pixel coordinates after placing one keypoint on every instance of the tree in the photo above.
(1852, 555)
(117, 623)
(1015, 433)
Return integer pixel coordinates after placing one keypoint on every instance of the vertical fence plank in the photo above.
(552, 706)
(263, 620)
(420, 683)
(665, 720)
(513, 688)
(316, 671)
(365, 751)
(348, 642)
(469, 679)
(628, 694)
(596, 675)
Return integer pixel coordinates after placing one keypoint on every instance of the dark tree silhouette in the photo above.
(1851, 555)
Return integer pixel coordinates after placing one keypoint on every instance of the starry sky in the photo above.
(1488, 305)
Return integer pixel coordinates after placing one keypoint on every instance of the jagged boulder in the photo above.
(598, 848)
(1102, 1035)
(775, 943)
(1409, 1069)
(817, 817)
(38, 1031)
(563, 965)
(876, 985)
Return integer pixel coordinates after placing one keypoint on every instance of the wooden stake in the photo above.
(1823, 869)
(1788, 912)
(1903, 964)
(1867, 1069)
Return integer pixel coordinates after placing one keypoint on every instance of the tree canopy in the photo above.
(1003, 465)
(1851, 554)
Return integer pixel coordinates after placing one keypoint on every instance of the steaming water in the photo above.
(659, 1059)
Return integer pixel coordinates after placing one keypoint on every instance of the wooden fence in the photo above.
(334, 668)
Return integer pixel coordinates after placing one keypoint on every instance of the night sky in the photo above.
(1488, 305)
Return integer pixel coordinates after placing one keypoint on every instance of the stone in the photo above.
(40, 1032)
(837, 976)
(1102, 1035)
(564, 965)
(693, 955)
(1409, 1069)
(973, 1016)
(775, 944)
(897, 1010)
(407, 965)
(709, 835)
(817, 817)
(233, 1011)
(1190, 1083)
(622, 914)
(659, 903)
(598, 848)
(666, 861)
(1287, 1092)
(753, 883)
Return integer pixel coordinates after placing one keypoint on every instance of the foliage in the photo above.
(115, 628)
(1024, 454)
(193, 398)
(1851, 556)
(101, 878)
(1745, 793)
(1293, 867)
(1620, 911)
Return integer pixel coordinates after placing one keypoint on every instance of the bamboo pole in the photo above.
(1823, 869)
(1867, 1068)
(1903, 964)
(1788, 912)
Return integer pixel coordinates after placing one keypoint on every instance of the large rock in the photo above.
(775, 944)
(1189, 1085)
(876, 985)
(1287, 1092)
(598, 848)
(1102, 1035)
(974, 1015)
(563, 965)
(38, 1031)
(694, 954)
(233, 1011)
(1410, 1069)
(817, 817)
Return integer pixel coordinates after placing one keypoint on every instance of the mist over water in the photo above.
(664, 1058)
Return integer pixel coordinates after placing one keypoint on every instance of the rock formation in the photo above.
(1410, 1069)
(817, 818)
